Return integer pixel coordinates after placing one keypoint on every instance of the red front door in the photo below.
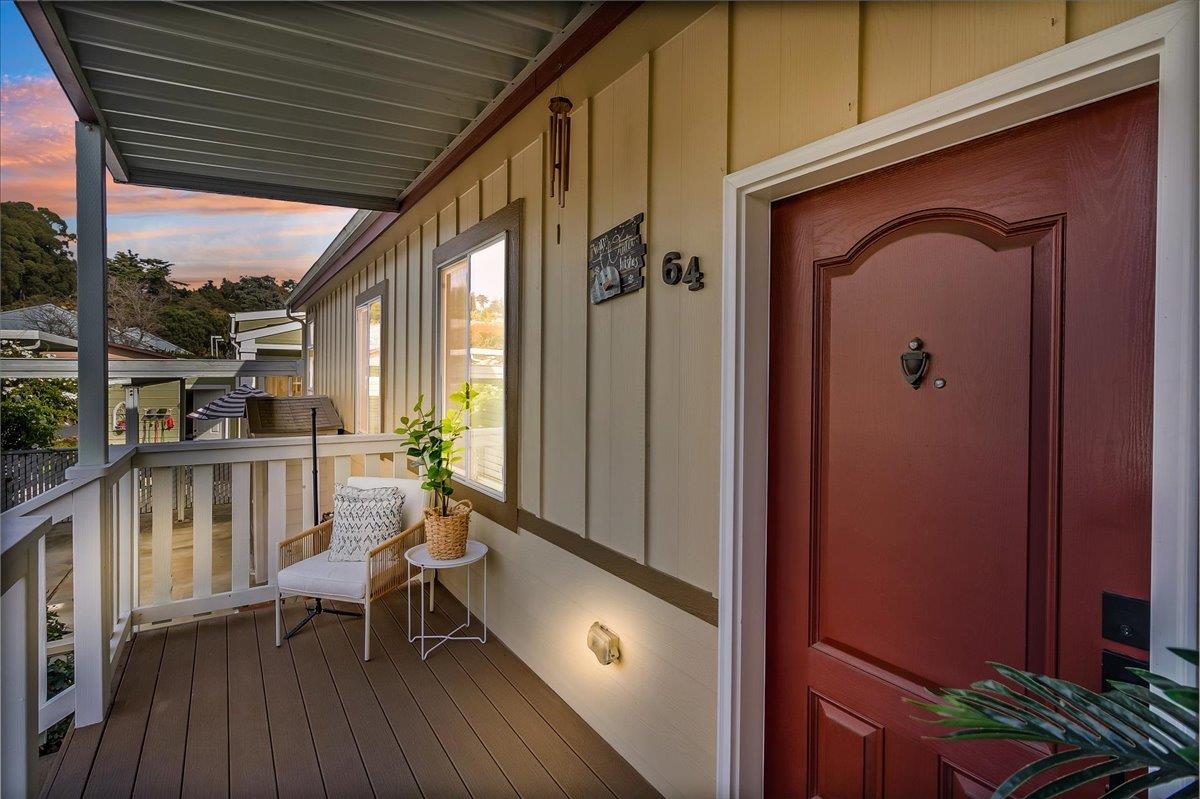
(960, 441)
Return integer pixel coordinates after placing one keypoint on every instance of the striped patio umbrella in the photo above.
(228, 406)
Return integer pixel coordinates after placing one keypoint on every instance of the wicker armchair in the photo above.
(304, 571)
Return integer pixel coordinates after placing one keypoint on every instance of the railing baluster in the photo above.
(240, 501)
(162, 488)
(20, 607)
(43, 677)
(276, 513)
(126, 541)
(341, 469)
(202, 532)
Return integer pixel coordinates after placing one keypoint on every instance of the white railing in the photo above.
(116, 589)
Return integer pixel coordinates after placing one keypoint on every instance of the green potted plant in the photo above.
(1146, 731)
(433, 444)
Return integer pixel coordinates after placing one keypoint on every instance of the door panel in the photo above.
(917, 534)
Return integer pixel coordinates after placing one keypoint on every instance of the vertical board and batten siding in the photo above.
(615, 405)
(619, 409)
(565, 342)
(525, 182)
(618, 178)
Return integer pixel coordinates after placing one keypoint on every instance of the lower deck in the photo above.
(213, 708)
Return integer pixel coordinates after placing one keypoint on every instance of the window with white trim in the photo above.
(472, 349)
(368, 363)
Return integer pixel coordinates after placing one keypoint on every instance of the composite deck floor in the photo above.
(212, 708)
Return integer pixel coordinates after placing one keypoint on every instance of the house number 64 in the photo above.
(673, 271)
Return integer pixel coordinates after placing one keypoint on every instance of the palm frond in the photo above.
(1129, 728)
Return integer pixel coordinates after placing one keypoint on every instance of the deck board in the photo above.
(115, 766)
(620, 777)
(251, 766)
(386, 766)
(563, 764)
(160, 769)
(296, 770)
(213, 708)
(68, 774)
(435, 774)
(527, 776)
(206, 761)
(483, 778)
(341, 765)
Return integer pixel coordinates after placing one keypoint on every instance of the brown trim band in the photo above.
(601, 23)
(672, 590)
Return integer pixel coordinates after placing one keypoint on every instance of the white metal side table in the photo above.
(419, 556)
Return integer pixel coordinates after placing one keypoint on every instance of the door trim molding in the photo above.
(1158, 47)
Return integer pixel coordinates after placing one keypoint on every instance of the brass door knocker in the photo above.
(914, 363)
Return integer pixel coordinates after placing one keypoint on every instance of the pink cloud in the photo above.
(191, 229)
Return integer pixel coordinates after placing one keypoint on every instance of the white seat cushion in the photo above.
(319, 576)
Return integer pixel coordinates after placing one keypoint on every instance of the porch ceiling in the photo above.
(332, 103)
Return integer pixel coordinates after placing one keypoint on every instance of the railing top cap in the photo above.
(21, 529)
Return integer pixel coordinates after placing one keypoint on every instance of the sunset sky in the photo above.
(206, 236)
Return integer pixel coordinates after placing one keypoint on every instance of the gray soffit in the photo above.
(336, 103)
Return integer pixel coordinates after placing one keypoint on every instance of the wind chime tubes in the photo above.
(560, 149)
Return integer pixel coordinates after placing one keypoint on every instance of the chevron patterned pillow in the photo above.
(363, 518)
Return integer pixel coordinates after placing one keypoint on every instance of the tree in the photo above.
(32, 411)
(35, 252)
(139, 290)
(255, 292)
(192, 322)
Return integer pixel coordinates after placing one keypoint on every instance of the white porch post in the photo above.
(91, 215)
(91, 553)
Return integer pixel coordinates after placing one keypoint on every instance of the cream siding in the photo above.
(619, 403)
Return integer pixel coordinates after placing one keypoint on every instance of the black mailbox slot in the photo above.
(1126, 620)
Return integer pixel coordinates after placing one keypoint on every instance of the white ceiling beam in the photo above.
(191, 103)
(549, 17)
(448, 21)
(331, 26)
(127, 67)
(126, 127)
(171, 20)
(220, 156)
(300, 68)
(283, 178)
(189, 181)
(278, 127)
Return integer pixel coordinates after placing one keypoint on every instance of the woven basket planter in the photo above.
(446, 536)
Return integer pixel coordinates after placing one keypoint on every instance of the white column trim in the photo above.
(92, 282)
(1161, 47)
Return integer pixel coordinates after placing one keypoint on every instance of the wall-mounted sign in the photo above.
(615, 261)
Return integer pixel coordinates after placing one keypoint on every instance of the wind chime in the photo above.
(560, 149)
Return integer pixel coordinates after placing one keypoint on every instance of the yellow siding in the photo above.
(1085, 17)
(619, 402)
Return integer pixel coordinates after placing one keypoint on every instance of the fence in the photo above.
(29, 472)
(221, 488)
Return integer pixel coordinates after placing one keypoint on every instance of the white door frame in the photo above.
(1161, 47)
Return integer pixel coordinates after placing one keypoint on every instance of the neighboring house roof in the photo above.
(52, 324)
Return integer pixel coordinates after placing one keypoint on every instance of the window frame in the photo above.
(377, 292)
(506, 222)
